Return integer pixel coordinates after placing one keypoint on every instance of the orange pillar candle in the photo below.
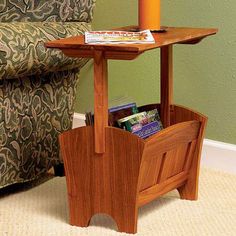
(149, 14)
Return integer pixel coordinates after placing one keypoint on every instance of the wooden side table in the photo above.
(112, 171)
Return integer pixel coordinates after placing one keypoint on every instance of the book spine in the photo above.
(117, 108)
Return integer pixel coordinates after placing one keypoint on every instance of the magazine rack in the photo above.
(112, 171)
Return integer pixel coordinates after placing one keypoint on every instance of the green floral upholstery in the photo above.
(46, 10)
(22, 50)
(34, 111)
(37, 85)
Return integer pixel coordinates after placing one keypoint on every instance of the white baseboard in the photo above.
(216, 155)
(219, 155)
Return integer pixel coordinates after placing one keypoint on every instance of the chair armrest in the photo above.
(22, 51)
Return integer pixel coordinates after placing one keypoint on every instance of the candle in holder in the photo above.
(149, 15)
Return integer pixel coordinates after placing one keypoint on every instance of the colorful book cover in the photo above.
(143, 124)
(123, 106)
(149, 129)
(120, 111)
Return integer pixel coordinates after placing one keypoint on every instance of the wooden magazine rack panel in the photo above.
(112, 171)
(132, 171)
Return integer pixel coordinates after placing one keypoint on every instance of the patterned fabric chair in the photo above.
(37, 85)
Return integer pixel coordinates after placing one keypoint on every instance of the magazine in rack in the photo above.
(118, 37)
(128, 117)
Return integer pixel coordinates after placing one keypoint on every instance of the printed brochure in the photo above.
(118, 37)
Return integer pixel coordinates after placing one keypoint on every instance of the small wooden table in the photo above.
(112, 179)
(75, 47)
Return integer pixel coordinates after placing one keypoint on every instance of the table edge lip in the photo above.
(132, 48)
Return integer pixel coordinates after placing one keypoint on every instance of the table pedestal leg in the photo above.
(166, 83)
(100, 100)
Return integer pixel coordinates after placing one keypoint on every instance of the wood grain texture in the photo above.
(173, 35)
(166, 83)
(157, 190)
(114, 172)
(180, 113)
(132, 171)
(171, 137)
(102, 183)
(169, 150)
(100, 100)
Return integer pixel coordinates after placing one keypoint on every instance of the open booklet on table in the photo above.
(118, 37)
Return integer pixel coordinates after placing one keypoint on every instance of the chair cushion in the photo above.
(46, 10)
(22, 50)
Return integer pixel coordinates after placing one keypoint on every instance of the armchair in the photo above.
(37, 85)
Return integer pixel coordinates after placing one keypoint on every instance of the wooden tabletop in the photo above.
(75, 46)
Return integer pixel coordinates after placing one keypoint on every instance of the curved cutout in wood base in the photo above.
(132, 171)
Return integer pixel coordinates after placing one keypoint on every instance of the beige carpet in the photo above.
(43, 211)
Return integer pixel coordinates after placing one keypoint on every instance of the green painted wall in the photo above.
(204, 74)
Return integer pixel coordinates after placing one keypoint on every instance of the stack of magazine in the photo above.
(127, 116)
(118, 37)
